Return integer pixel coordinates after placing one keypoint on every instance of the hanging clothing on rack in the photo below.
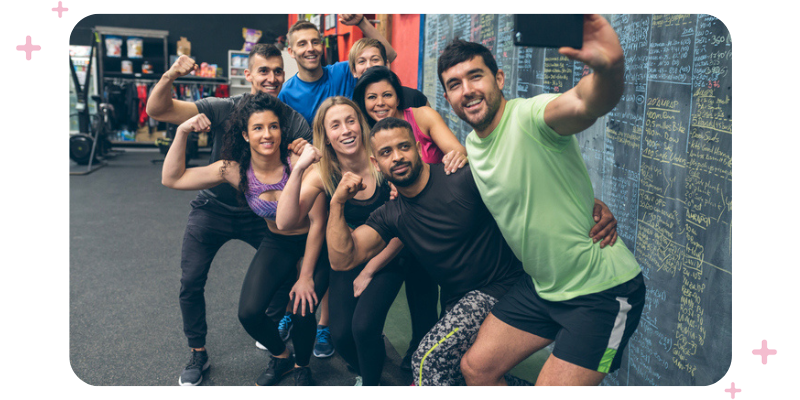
(222, 91)
(141, 91)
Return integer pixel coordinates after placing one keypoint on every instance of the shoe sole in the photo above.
(199, 381)
(324, 355)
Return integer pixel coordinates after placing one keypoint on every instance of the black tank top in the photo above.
(356, 212)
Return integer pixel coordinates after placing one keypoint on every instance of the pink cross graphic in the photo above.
(28, 48)
(764, 352)
(733, 390)
(60, 9)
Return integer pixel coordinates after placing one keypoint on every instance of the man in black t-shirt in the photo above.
(441, 219)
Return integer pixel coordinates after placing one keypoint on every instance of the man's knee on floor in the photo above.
(475, 371)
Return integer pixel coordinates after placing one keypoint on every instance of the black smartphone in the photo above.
(548, 30)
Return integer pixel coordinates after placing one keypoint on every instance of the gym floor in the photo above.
(125, 324)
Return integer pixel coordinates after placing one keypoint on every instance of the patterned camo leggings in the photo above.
(437, 361)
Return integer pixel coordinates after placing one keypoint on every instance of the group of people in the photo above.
(348, 185)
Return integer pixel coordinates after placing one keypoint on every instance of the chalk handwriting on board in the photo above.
(662, 162)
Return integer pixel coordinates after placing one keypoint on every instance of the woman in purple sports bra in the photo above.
(256, 160)
(379, 95)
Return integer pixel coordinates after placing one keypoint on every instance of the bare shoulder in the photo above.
(311, 178)
(423, 111)
(427, 116)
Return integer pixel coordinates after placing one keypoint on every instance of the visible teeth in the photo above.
(348, 141)
(473, 102)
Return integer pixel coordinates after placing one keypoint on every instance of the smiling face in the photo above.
(474, 93)
(306, 49)
(264, 133)
(396, 156)
(343, 129)
(380, 100)
(265, 74)
(370, 57)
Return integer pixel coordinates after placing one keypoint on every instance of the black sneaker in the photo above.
(276, 369)
(302, 376)
(192, 375)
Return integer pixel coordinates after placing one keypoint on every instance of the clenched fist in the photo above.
(348, 187)
(309, 156)
(182, 67)
(198, 123)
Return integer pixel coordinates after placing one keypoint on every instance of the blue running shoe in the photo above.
(323, 348)
(285, 326)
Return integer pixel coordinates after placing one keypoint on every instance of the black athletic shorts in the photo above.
(590, 331)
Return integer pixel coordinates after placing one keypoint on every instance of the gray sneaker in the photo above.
(192, 374)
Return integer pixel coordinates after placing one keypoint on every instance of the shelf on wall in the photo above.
(201, 79)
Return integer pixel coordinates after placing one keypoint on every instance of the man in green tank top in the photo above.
(530, 173)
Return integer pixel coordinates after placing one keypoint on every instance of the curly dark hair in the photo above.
(235, 148)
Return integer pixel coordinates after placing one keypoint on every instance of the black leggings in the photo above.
(275, 262)
(422, 294)
(356, 323)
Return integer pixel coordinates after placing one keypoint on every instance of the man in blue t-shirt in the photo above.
(313, 82)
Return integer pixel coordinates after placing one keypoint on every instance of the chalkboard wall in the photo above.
(661, 160)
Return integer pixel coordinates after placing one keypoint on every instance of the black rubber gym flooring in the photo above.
(124, 320)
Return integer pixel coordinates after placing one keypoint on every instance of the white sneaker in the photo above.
(261, 346)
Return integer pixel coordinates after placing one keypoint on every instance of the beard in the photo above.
(415, 167)
(480, 122)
